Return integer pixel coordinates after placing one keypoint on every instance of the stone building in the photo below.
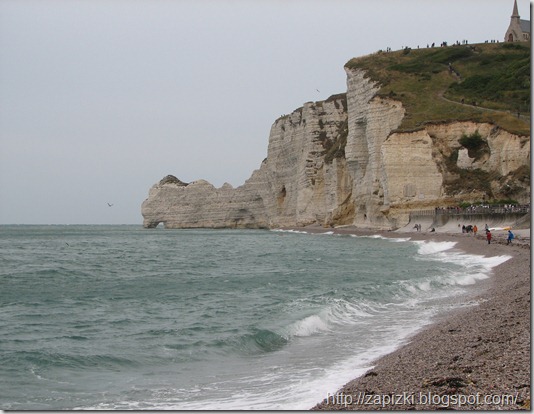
(519, 30)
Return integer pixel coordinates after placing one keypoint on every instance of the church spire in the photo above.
(515, 13)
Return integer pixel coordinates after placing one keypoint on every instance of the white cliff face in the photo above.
(200, 204)
(341, 161)
(409, 173)
(295, 166)
(291, 188)
(507, 151)
(371, 120)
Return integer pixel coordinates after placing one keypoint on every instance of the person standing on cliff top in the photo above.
(488, 236)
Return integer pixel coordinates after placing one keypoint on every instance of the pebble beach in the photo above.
(476, 357)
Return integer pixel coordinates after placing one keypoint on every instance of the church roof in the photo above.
(525, 25)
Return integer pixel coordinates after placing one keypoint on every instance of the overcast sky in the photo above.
(100, 99)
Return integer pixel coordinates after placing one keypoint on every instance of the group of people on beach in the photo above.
(509, 238)
(417, 228)
(489, 236)
(469, 228)
(474, 229)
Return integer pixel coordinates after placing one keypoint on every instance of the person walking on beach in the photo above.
(488, 236)
(475, 229)
(510, 237)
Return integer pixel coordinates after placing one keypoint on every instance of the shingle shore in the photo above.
(475, 357)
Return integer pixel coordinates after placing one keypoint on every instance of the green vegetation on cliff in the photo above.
(487, 82)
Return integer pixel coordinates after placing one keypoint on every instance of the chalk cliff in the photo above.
(344, 161)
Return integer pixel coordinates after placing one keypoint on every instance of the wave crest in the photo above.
(431, 247)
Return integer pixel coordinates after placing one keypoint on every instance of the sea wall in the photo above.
(343, 161)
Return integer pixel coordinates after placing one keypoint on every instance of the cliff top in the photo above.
(171, 179)
(488, 82)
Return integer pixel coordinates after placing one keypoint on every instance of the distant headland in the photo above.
(417, 129)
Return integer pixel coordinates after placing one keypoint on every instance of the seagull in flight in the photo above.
(110, 205)
(318, 90)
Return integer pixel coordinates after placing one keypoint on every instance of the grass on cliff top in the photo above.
(492, 79)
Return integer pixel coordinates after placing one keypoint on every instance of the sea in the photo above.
(121, 317)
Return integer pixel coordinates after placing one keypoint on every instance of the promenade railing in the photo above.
(473, 209)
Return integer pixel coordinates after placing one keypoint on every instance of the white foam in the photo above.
(470, 279)
(469, 261)
(439, 251)
(431, 247)
(473, 267)
(308, 326)
(342, 312)
(289, 231)
(491, 262)
(378, 236)
(399, 239)
(346, 370)
(338, 313)
(331, 379)
(425, 286)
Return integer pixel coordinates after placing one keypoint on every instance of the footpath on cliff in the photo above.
(476, 357)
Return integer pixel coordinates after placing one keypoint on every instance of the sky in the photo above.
(100, 99)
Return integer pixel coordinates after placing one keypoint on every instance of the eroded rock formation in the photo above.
(341, 161)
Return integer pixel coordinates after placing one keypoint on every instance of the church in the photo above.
(519, 30)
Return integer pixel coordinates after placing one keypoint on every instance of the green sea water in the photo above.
(120, 317)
